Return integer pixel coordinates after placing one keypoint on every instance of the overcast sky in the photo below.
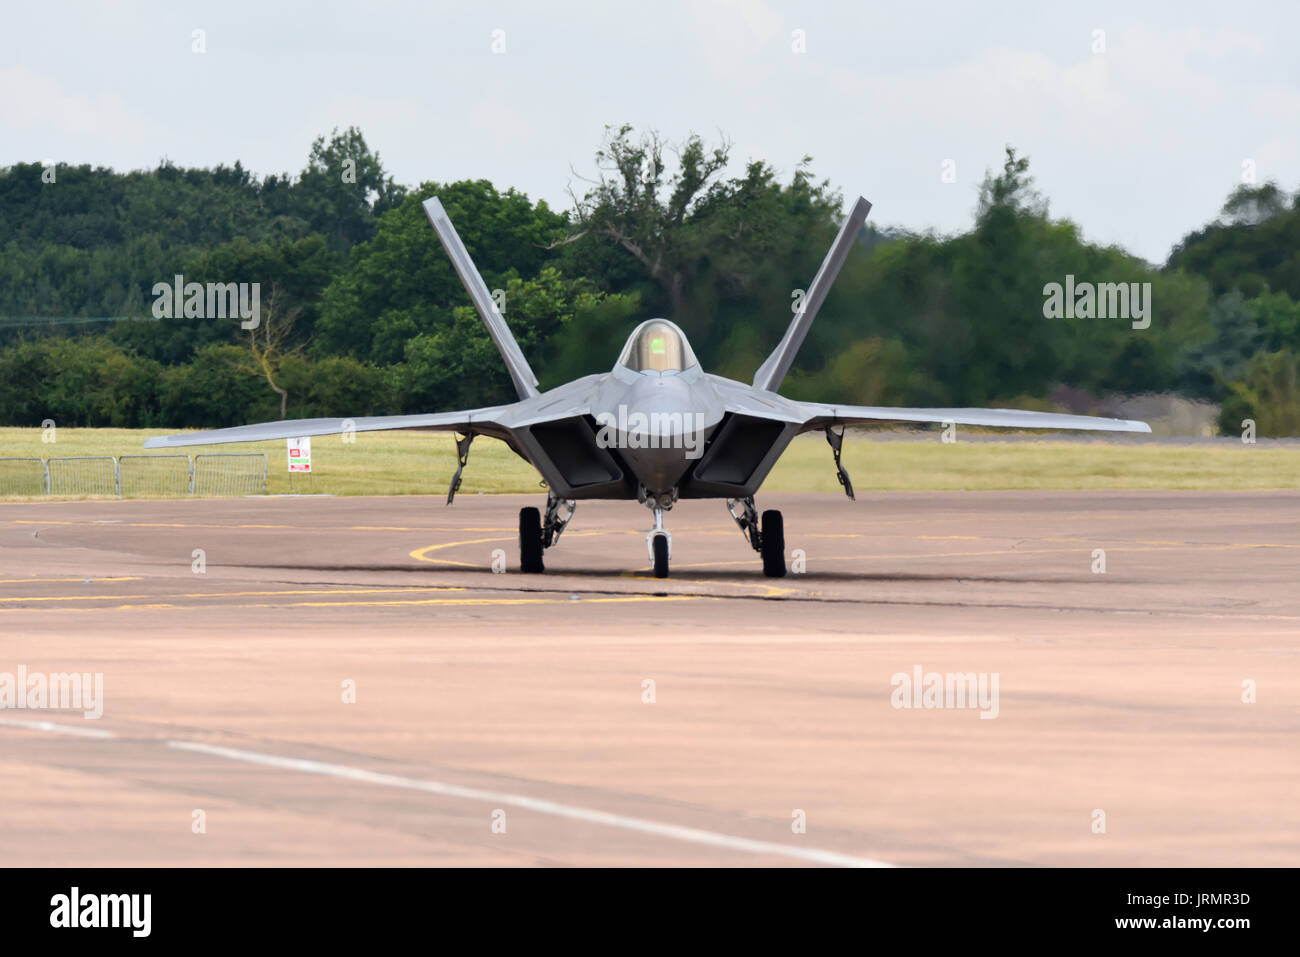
(1138, 144)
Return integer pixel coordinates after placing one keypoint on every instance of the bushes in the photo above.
(337, 387)
(1269, 394)
(93, 382)
(220, 388)
(77, 382)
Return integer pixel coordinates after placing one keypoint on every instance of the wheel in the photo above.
(772, 533)
(530, 541)
(660, 545)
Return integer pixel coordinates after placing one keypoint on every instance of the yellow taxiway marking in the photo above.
(242, 594)
(389, 603)
(925, 556)
(604, 599)
(31, 581)
(1112, 546)
(422, 554)
(244, 525)
(766, 589)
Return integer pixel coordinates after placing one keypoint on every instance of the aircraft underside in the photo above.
(733, 462)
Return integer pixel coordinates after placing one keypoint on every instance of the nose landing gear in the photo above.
(660, 544)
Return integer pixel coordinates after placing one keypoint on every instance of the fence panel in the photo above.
(23, 477)
(230, 475)
(84, 475)
(155, 476)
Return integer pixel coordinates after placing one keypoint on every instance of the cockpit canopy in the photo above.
(657, 345)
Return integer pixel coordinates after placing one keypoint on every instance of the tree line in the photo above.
(363, 314)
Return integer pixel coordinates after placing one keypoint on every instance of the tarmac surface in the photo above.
(321, 681)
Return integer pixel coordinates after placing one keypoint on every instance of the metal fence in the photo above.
(84, 475)
(155, 476)
(23, 477)
(229, 474)
(135, 476)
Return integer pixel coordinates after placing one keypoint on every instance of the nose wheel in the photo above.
(660, 544)
(659, 555)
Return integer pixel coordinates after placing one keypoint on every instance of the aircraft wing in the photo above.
(819, 416)
(473, 420)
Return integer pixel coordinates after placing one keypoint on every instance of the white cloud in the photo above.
(1139, 144)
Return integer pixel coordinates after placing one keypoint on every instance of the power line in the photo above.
(15, 321)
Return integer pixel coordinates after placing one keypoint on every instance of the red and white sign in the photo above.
(300, 454)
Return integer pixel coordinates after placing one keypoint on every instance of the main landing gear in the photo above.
(768, 540)
(537, 534)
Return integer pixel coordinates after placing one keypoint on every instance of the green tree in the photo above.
(459, 366)
(400, 284)
(704, 240)
(343, 188)
(216, 390)
(1269, 394)
(1252, 247)
(83, 382)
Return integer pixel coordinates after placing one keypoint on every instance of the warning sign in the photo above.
(300, 454)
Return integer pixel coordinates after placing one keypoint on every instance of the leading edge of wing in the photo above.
(298, 428)
(819, 415)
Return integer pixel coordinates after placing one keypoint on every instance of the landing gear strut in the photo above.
(462, 457)
(660, 544)
(555, 522)
(836, 440)
(768, 540)
(536, 534)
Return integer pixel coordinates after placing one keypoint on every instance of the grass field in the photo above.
(405, 463)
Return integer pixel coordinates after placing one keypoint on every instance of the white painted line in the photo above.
(56, 728)
(672, 831)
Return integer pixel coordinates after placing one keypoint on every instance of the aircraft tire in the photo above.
(530, 541)
(660, 545)
(773, 540)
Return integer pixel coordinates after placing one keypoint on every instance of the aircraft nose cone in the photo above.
(660, 428)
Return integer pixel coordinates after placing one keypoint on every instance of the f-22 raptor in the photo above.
(655, 428)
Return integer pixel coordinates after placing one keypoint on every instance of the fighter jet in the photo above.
(654, 429)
